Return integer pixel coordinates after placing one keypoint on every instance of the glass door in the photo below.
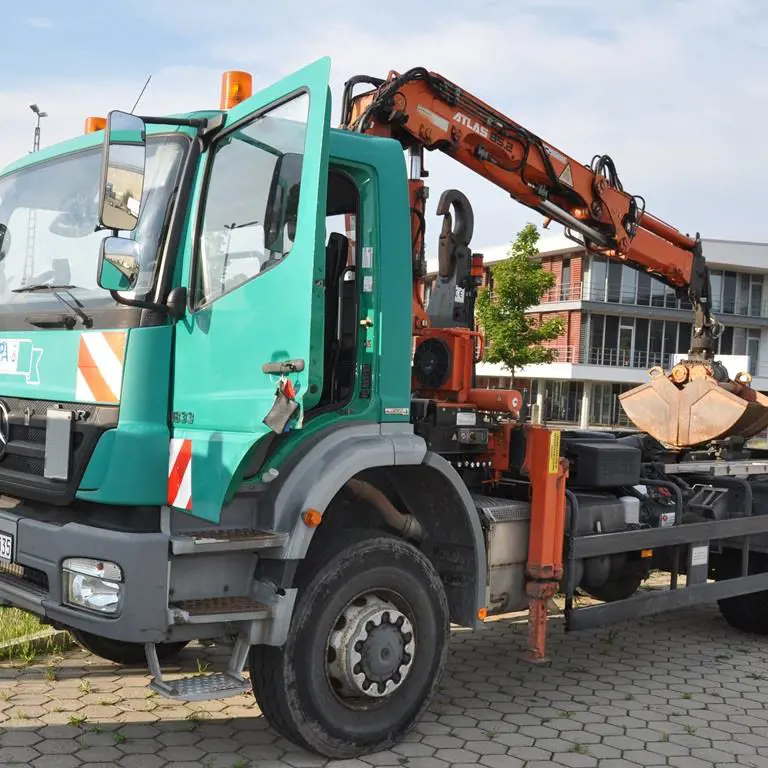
(626, 340)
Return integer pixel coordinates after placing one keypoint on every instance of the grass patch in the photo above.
(14, 624)
(17, 623)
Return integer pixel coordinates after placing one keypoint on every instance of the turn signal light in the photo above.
(236, 86)
(312, 518)
(95, 124)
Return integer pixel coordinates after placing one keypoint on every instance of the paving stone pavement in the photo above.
(680, 689)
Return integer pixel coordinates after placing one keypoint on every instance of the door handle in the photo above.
(284, 366)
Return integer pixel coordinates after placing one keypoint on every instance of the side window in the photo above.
(250, 219)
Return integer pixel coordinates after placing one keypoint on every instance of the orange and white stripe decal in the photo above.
(100, 367)
(180, 474)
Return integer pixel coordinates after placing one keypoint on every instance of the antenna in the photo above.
(141, 94)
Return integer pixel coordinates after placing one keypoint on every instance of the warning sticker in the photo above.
(699, 555)
(566, 176)
(554, 452)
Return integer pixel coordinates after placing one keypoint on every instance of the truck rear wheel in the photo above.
(120, 652)
(615, 589)
(365, 650)
(747, 613)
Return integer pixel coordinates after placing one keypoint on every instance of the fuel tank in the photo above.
(696, 404)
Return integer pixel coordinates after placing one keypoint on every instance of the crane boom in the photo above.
(425, 111)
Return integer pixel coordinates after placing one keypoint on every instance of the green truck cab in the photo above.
(161, 283)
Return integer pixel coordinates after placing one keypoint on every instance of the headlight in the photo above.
(92, 584)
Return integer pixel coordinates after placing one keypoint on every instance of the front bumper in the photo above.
(33, 581)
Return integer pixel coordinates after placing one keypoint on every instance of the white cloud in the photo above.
(674, 91)
(39, 22)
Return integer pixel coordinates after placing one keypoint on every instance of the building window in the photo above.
(756, 296)
(729, 292)
(565, 281)
(742, 295)
(598, 273)
(605, 408)
(614, 281)
(562, 401)
(643, 289)
(642, 343)
(753, 349)
(733, 293)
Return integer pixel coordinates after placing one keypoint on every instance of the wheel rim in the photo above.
(370, 650)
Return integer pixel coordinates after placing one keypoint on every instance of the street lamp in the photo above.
(40, 115)
(29, 258)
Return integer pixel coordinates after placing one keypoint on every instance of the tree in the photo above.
(513, 337)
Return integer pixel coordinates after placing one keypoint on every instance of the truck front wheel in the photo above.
(365, 650)
(120, 652)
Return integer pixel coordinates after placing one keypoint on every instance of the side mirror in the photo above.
(282, 204)
(118, 264)
(122, 171)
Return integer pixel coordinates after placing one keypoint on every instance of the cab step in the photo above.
(217, 685)
(211, 610)
(221, 540)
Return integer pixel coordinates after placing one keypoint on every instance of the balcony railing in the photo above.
(568, 292)
(619, 358)
(579, 291)
(615, 358)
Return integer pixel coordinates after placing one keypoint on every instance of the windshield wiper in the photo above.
(56, 290)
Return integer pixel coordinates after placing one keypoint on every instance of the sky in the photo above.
(676, 91)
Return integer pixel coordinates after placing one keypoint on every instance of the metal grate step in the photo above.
(193, 542)
(218, 685)
(216, 609)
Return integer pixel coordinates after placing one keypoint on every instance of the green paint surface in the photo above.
(208, 367)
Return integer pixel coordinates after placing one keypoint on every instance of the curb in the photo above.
(40, 641)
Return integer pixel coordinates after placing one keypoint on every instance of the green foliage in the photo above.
(514, 338)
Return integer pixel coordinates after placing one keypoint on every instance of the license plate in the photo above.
(6, 547)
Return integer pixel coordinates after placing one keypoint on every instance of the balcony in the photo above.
(618, 358)
(610, 357)
(579, 291)
(560, 293)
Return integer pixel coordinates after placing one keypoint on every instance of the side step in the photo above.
(195, 542)
(212, 610)
(218, 685)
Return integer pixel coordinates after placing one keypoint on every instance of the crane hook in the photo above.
(465, 217)
(454, 239)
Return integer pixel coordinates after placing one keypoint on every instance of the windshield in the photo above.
(51, 214)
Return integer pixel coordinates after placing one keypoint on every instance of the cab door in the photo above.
(253, 267)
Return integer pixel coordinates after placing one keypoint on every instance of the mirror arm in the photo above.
(192, 122)
(174, 307)
(138, 303)
(204, 125)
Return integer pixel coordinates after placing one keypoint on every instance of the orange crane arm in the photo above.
(424, 110)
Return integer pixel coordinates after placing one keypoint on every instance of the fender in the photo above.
(318, 475)
(469, 617)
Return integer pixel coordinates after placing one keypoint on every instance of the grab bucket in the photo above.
(696, 412)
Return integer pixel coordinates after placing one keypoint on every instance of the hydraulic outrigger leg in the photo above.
(547, 472)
